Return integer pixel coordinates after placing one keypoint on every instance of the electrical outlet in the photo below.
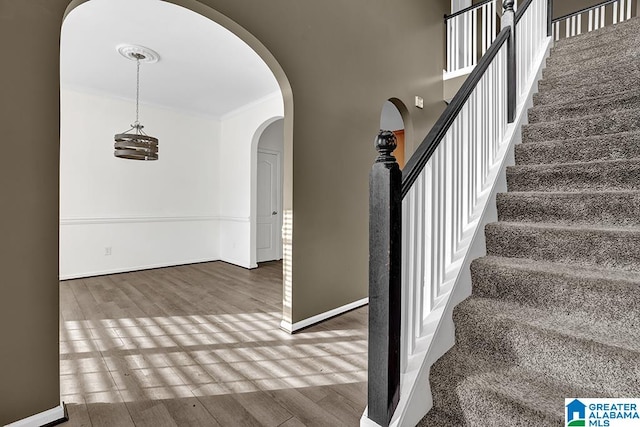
(419, 102)
(107, 251)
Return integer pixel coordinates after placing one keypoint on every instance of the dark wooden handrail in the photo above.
(586, 9)
(522, 9)
(428, 146)
(467, 9)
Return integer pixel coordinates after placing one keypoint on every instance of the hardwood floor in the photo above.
(200, 345)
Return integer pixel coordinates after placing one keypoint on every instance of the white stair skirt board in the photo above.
(291, 328)
(49, 417)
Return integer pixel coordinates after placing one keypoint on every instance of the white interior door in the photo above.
(269, 230)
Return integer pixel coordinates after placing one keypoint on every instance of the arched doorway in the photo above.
(392, 118)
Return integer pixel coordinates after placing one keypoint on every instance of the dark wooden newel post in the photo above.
(385, 233)
(509, 20)
(549, 18)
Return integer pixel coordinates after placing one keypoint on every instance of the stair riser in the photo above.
(570, 74)
(540, 289)
(576, 177)
(589, 247)
(583, 363)
(585, 107)
(606, 124)
(566, 94)
(599, 209)
(614, 147)
(455, 385)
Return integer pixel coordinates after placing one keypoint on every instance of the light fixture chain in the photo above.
(138, 91)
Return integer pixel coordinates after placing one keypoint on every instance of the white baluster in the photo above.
(579, 24)
(474, 38)
(615, 12)
(484, 28)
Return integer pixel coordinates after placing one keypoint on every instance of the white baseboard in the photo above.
(132, 269)
(293, 327)
(53, 415)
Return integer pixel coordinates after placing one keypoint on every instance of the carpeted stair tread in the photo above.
(478, 382)
(618, 146)
(598, 46)
(602, 208)
(609, 103)
(605, 295)
(575, 91)
(608, 175)
(565, 346)
(615, 55)
(591, 74)
(596, 124)
(437, 418)
(625, 73)
(627, 28)
(600, 247)
(597, 55)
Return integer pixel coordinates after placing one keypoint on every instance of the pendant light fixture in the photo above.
(134, 143)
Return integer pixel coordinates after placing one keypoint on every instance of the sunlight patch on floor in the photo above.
(129, 359)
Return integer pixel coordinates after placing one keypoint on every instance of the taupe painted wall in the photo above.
(343, 59)
(29, 140)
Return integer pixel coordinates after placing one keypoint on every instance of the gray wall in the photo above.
(342, 61)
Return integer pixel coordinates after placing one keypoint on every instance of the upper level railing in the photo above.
(470, 32)
(423, 219)
(592, 18)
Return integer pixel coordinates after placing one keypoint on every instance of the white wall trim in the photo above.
(50, 416)
(446, 75)
(133, 269)
(291, 328)
(134, 219)
(272, 95)
(234, 218)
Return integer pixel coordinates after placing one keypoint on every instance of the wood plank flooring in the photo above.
(200, 345)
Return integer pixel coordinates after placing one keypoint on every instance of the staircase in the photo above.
(555, 309)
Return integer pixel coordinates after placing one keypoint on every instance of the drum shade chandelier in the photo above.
(134, 143)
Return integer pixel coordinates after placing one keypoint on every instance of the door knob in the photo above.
(274, 213)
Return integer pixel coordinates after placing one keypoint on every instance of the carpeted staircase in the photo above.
(555, 309)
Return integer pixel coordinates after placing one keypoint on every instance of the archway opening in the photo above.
(391, 118)
(193, 205)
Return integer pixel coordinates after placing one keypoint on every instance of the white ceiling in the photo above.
(203, 67)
